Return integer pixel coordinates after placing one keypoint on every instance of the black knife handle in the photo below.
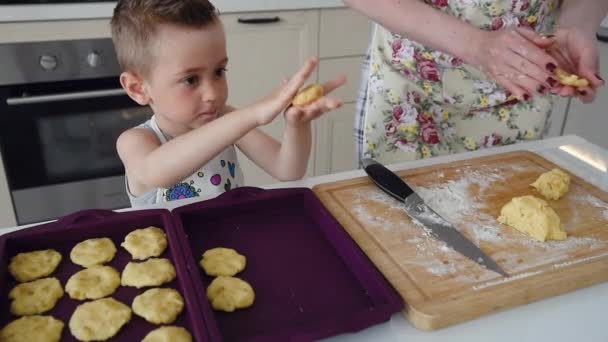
(387, 180)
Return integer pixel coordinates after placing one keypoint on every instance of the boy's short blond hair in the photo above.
(134, 26)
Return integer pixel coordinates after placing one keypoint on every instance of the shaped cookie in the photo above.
(152, 272)
(229, 293)
(93, 283)
(145, 243)
(159, 306)
(168, 334)
(93, 252)
(99, 320)
(32, 329)
(222, 262)
(33, 265)
(35, 297)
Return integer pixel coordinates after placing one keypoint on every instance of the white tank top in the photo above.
(219, 175)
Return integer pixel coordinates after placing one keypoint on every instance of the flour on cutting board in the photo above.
(455, 202)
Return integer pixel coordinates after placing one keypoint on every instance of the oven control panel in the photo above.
(52, 61)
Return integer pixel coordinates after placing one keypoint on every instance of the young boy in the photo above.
(173, 55)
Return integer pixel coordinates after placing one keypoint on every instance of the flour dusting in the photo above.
(460, 202)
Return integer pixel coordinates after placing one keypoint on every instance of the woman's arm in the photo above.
(516, 62)
(583, 14)
(422, 23)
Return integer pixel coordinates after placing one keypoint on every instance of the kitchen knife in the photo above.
(415, 207)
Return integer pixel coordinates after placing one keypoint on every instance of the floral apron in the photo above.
(422, 102)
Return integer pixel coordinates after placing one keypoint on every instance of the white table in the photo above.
(580, 316)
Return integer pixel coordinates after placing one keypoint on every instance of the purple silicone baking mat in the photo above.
(66, 233)
(309, 277)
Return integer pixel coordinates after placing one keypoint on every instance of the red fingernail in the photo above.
(582, 92)
(526, 97)
(541, 89)
(551, 67)
(552, 81)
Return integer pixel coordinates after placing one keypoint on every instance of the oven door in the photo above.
(58, 144)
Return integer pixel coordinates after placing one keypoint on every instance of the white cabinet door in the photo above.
(262, 54)
(336, 141)
(590, 121)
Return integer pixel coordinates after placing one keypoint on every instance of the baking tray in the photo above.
(63, 234)
(310, 279)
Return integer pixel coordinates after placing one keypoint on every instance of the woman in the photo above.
(446, 76)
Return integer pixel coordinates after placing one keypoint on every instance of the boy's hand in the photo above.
(295, 115)
(268, 109)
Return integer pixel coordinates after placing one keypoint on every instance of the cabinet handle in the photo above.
(267, 20)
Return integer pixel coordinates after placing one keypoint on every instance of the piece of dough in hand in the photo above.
(222, 262)
(33, 265)
(159, 306)
(572, 80)
(168, 334)
(32, 329)
(308, 95)
(35, 297)
(533, 216)
(93, 252)
(93, 283)
(229, 293)
(153, 272)
(99, 320)
(552, 184)
(145, 243)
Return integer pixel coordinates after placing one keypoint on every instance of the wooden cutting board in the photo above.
(442, 287)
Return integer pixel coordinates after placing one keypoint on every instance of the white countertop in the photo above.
(14, 13)
(576, 316)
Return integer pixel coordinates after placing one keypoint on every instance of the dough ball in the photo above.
(35, 297)
(153, 272)
(33, 265)
(222, 262)
(572, 80)
(145, 243)
(553, 184)
(93, 252)
(533, 216)
(168, 334)
(32, 329)
(159, 306)
(229, 293)
(93, 283)
(99, 320)
(308, 95)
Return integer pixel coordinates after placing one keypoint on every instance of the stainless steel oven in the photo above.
(61, 111)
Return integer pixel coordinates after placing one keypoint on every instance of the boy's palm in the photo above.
(281, 98)
(297, 115)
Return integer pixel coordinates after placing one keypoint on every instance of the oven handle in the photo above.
(17, 101)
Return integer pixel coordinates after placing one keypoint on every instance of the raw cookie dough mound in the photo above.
(553, 184)
(153, 272)
(32, 329)
(35, 297)
(533, 216)
(93, 252)
(158, 306)
(93, 283)
(229, 293)
(145, 243)
(33, 265)
(308, 95)
(222, 262)
(168, 334)
(99, 320)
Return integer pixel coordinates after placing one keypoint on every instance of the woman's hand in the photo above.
(515, 59)
(576, 52)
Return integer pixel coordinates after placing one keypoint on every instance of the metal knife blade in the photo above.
(415, 207)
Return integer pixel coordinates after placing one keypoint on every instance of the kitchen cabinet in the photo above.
(339, 37)
(344, 36)
(261, 56)
(590, 121)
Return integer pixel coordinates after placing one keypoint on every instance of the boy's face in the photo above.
(187, 82)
